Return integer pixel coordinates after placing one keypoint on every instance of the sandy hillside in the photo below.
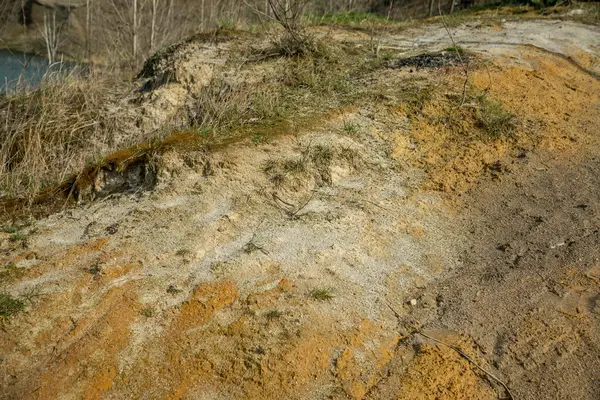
(392, 247)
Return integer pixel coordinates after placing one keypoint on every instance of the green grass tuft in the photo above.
(9, 305)
(321, 294)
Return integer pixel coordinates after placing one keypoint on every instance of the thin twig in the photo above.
(460, 59)
(469, 359)
(295, 213)
(281, 200)
(594, 278)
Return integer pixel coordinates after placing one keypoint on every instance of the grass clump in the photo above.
(289, 45)
(321, 294)
(18, 237)
(456, 49)
(494, 121)
(273, 314)
(148, 312)
(350, 128)
(9, 305)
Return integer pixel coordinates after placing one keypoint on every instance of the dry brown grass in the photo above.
(52, 131)
(57, 132)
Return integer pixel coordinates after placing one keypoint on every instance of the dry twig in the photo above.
(469, 359)
(460, 59)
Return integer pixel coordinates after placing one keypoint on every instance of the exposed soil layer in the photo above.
(391, 250)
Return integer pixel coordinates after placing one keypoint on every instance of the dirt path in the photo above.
(307, 267)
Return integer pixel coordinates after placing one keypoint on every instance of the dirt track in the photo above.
(205, 288)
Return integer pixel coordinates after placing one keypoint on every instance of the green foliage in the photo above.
(258, 139)
(321, 294)
(350, 128)
(455, 49)
(352, 18)
(18, 236)
(9, 305)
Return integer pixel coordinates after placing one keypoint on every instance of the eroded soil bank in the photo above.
(322, 262)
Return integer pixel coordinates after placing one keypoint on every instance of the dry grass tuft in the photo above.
(52, 131)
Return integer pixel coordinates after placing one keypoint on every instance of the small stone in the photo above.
(413, 302)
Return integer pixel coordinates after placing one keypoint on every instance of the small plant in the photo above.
(9, 305)
(294, 166)
(95, 269)
(493, 120)
(10, 229)
(258, 139)
(183, 253)
(273, 314)
(321, 294)
(148, 312)
(226, 24)
(18, 236)
(350, 128)
(172, 290)
(218, 268)
(456, 49)
(321, 156)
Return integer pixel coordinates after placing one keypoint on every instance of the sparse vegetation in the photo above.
(18, 236)
(456, 49)
(9, 305)
(173, 290)
(9, 272)
(350, 128)
(321, 294)
(273, 314)
(351, 18)
(294, 166)
(50, 132)
(258, 139)
(321, 156)
(148, 312)
(493, 120)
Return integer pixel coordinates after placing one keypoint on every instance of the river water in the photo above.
(20, 70)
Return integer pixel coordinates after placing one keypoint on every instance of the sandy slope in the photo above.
(205, 287)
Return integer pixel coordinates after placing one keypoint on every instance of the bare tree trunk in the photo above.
(202, 16)
(153, 26)
(134, 32)
(87, 30)
(431, 3)
(51, 34)
(452, 6)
